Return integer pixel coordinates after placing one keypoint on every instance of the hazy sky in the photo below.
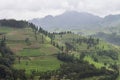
(28, 9)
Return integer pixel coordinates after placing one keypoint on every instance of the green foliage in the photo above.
(65, 57)
(6, 61)
(111, 53)
(27, 40)
(5, 72)
(91, 61)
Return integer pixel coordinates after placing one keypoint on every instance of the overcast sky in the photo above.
(28, 9)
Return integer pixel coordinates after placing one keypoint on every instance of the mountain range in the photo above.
(76, 20)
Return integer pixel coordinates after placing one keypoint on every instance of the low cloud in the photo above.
(28, 9)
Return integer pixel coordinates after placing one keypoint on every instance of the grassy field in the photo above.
(45, 49)
(6, 29)
(36, 56)
(41, 63)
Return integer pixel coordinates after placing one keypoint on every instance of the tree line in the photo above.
(13, 23)
(7, 59)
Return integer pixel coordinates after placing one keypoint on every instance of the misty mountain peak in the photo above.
(112, 17)
(76, 20)
(49, 17)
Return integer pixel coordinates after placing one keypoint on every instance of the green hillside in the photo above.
(93, 50)
(37, 55)
(88, 45)
(41, 55)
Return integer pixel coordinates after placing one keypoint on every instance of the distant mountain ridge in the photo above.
(111, 20)
(76, 20)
